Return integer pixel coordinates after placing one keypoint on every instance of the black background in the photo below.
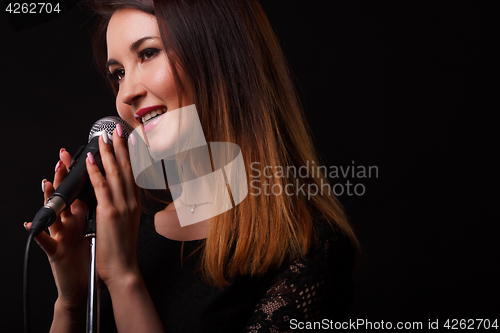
(410, 89)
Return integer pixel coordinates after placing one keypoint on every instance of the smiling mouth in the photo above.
(150, 116)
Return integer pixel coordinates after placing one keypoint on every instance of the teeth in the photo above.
(153, 114)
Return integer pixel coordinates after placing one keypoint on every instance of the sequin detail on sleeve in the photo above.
(299, 293)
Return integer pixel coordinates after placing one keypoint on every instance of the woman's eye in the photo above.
(117, 75)
(148, 53)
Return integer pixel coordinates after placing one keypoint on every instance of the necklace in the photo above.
(193, 207)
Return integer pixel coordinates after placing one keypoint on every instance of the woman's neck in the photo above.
(167, 224)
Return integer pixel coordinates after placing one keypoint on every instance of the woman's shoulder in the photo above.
(331, 252)
(316, 286)
(330, 259)
(332, 242)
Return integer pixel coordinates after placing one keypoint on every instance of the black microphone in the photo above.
(77, 183)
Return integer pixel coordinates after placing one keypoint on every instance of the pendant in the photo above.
(192, 209)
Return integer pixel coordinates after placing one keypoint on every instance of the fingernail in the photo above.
(25, 224)
(104, 135)
(60, 153)
(58, 165)
(132, 139)
(91, 158)
(43, 185)
(119, 130)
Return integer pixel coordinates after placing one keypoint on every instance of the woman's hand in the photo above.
(67, 248)
(118, 211)
(117, 221)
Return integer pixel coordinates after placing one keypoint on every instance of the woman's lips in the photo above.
(144, 111)
(150, 124)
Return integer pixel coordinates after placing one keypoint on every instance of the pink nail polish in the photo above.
(25, 224)
(132, 139)
(43, 185)
(58, 165)
(91, 158)
(60, 153)
(119, 130)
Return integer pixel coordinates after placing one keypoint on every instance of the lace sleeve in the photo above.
(308, 290)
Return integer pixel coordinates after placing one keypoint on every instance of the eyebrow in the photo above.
(133, 48)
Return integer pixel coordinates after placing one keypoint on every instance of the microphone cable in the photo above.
(26, 298)
(26, 284)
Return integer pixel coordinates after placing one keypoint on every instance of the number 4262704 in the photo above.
(33, 8)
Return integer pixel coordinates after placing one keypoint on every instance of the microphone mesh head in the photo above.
(108, 124)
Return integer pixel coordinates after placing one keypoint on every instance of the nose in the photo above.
(131, 89)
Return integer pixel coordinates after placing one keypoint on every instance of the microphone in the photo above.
(77, 183)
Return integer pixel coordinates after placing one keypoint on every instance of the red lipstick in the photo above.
(144, 111)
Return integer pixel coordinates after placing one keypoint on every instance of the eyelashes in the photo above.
(149, 53)
(118, 74)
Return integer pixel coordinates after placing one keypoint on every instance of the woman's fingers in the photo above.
(118, 171)
(77, 208)
(117, 192)
(47, 243)
(61, 171)
(65, 157)
(112, 170)
(123, 160)
(98, 181)
(48, 190)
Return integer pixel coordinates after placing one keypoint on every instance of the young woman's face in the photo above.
(138, 62)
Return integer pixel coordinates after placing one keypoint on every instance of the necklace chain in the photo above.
(193, 206)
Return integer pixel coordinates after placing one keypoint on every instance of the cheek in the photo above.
(162, 85)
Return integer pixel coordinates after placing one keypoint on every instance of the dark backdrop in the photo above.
(411, 90)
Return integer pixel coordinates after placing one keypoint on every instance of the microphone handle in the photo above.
(76, 185)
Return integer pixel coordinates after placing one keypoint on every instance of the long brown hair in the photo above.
(244, 93)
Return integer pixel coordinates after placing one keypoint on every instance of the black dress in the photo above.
(312, 289)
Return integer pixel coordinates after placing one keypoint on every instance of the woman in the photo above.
(274, 259)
